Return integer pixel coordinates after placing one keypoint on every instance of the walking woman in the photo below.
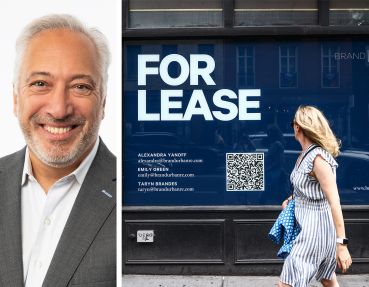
(322, 243)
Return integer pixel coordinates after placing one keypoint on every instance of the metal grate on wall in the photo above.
(175, 14)
(349, 13)
(275, 12)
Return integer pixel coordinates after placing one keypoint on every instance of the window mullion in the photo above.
(323, 12)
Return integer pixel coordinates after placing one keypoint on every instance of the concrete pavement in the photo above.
(227, 281)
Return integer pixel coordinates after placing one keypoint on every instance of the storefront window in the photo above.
(170, 14)
(200, 131)
(276, 12)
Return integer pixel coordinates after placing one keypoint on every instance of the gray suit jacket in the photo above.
(86, 252)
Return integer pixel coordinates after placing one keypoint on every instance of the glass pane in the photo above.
(276, 12)
(132, 62)
(242, 68)
(250, 79)
(250, 52)
(168, 13)
(250, 63)
(283, 64)
(283, 51)
(291, 52)
(351, 13)
(330, 66)
(206, 49)
(245, 66)
(292, 62)
(241, 79)
(173, 159)
(288, 80)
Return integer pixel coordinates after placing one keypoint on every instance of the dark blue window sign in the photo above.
(208, 122)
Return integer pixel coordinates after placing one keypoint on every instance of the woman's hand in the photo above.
(344, 260)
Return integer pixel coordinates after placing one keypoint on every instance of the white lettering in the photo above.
(203, 109)
(164, 70)
(197, 72)
(226, 104)
(350, 56)
(244, 104)
(143, 70)
(191, 69)
(167, 104)
(231, 107)
(142, 114)
(198, 105)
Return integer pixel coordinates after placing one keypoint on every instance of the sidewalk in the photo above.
(227, 281)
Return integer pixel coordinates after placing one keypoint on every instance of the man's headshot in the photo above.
(59, 93)
(58, 194)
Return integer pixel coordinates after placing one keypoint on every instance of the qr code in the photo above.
(245, 171)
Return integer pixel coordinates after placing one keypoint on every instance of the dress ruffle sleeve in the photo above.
(308, 163)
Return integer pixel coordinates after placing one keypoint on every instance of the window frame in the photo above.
(322, 66)
(245, 47)
(288, 57)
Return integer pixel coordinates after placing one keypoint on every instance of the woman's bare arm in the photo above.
(324, 174)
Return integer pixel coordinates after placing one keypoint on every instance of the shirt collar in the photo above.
(79, 173)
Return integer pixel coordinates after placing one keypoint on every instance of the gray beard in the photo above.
(57, 156)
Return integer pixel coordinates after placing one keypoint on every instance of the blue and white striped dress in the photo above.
(314, 250)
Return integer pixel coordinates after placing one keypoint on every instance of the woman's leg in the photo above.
(330, 283)
(280, 284)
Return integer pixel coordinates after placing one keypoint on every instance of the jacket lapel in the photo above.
(11, 266)
(89, 212)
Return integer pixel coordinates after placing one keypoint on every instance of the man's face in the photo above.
(58, 100)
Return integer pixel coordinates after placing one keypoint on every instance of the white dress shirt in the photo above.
(44, 216)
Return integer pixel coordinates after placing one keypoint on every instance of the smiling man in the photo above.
(57, 195)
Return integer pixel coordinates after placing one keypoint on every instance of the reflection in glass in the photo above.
(287, 67)
(245, 66)
(330, 67)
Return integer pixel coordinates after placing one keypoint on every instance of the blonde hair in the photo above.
(316, 128)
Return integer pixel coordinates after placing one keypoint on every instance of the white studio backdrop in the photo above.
(14, 15)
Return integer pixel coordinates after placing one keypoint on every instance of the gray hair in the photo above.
(69, 22)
